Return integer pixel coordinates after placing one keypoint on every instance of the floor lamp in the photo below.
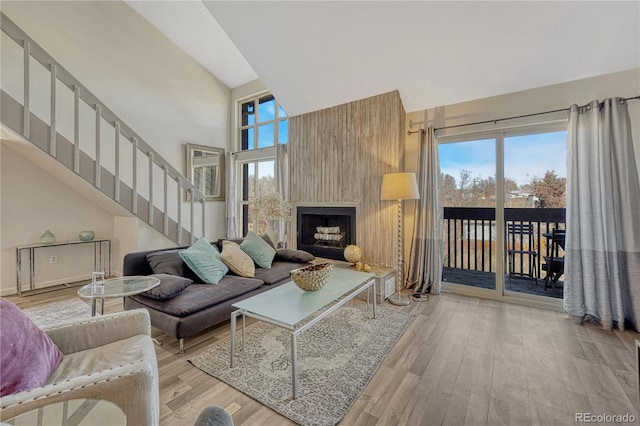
(399, 186)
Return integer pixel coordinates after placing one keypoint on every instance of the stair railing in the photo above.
(185, 190)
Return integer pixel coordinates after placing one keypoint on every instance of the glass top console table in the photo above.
(31, 256)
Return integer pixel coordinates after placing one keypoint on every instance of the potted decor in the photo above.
(271, 208)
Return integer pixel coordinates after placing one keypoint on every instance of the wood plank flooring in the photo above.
(463, 361)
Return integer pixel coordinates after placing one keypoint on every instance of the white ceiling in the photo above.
(313, 55)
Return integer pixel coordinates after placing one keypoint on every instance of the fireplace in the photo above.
(326, 231)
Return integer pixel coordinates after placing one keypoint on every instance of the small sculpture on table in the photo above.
(352, 253)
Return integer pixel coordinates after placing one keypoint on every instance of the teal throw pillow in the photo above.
(259, 250)
(204, 260)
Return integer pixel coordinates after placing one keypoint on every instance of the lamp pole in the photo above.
(397, 298)
(399, 186)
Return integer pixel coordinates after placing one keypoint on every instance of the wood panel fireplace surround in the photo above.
(326, 231)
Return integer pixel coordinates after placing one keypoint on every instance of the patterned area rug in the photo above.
(58, 312)
(336, 359)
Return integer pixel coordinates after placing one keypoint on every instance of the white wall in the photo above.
(158, 90)
(33, 201)
(622, 84)
(558, 96)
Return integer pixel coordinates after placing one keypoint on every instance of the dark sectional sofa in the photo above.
(200, 306)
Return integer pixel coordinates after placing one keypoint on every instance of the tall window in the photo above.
(257, 178)
(263, 125)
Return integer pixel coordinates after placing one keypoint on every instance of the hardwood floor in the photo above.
(463, 361)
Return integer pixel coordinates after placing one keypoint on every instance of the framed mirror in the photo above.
(205, 170)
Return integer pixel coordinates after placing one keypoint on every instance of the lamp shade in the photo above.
(399, 186)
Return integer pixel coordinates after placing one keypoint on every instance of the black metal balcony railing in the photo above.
(470, 236)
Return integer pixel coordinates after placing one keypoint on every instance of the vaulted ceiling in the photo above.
(314, 55)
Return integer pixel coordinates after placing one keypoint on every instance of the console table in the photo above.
(101, 256)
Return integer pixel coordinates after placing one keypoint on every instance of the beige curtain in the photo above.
(425, 263)
(282, 182)
(232, 197)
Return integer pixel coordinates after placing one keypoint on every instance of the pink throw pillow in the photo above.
(28, 356)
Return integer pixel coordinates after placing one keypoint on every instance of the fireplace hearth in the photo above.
(326, 231)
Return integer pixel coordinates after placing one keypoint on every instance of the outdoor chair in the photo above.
(521, 251)
(553, 261)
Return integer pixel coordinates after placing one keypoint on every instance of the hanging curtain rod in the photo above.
(503, 119)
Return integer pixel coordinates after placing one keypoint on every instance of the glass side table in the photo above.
(115, 287)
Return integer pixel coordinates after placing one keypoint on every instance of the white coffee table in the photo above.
(288, 306)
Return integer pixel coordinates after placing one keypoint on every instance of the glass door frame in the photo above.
(500, 293)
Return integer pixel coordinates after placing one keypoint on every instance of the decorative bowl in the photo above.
(312, 277)
(86, 235)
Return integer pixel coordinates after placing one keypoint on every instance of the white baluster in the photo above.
(116, 177)
(26, 111)
(97, 177)
(52, 127)
(151, 188)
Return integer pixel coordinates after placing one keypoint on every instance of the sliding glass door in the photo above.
(535, 205)
(469, 199)
(503, 196)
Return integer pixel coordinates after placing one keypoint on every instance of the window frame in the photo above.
(499, 134)
(277, 119)
(253, 155)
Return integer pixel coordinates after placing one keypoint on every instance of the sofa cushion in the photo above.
(167, 262)
(237, 260)
(259, 250)
(239, 241)
(278, 272)
(290, 255)
(204, 260)
(200, 296)
(100, 358)
(170, 286)
(28, 357)
(268, 240)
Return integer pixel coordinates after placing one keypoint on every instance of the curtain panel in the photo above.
(282, 182)
(602, 258)
(232, 197)
(425, 263)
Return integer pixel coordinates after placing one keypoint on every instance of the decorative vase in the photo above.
(272, 231)
(352, 253)
(87, 235)
(47, 237)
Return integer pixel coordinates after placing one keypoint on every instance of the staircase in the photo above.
(121, 166)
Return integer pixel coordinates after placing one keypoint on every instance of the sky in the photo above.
(525, 157)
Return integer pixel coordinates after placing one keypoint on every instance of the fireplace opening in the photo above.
(326, 231)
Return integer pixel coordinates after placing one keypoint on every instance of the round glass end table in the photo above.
(116, 287)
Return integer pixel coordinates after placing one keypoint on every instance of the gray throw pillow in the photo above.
(268, 240)
(296, 256)
(170, 286)
(167, 262)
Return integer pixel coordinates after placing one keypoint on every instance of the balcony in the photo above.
(470, 248)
